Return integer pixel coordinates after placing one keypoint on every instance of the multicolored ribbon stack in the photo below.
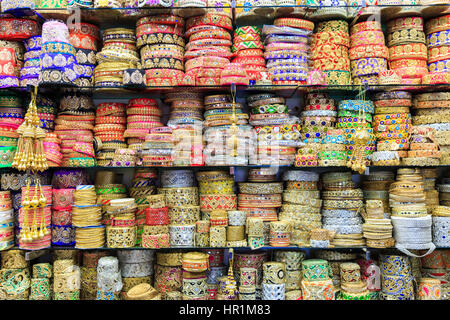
(391, 123)
(47, 109)
(168, 274)
(316, 280)
(274, 281)
(156, 227)
(368, 53)
(438, 42)
(11, 117)
(63, 234)
(109, 131)
(335, 259)
(441, 223)
(12, 31)
(74, 125)
(376, 187)
(355, 115)
(161, 44)
(142, 115)
(409, 215)
(248, 271)
(208, 49)
(327, 9)
(288, 61)
(216, 270)
(182, 199)
(433, 107)
(118, 54)
(261, 199)
(157, 149)
(195, 285)
(318, 116)
(277, 132)
(216, 192)
(120, 223)
(329, 51)
(108, 189)
(301, 205)
(85, 38)
(59, 66)
(142, 186)
(224, 144)
(423, 147)
(248, 49)
(342, 203)
(29, 73)
(333, 149)
(407, 51)
(186, 121)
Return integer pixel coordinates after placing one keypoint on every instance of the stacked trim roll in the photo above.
(330, 44)
(161, 44)
(66, 280)
(301, 205)
(438, 42)
(368, 53)
(288, 62)
(186, 121)
(109, 280)
(109, 130)
(407, 51)
(87, 218)
(392, 124)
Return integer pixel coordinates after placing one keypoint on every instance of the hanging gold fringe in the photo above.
(30, 148)
(30, 156)
(233, 141)
(357, 162)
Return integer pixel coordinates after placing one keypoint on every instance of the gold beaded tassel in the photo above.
(233, 142)
(43, 231)
(357, 161)
(231, 283)
(25, 234)
(30, 148)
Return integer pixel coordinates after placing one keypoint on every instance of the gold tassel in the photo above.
(25, 235)
(233, 141)
(30, 151)
(357, 161)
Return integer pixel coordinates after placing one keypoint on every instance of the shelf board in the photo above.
(206, 168)
(357, 248)
(122, 92)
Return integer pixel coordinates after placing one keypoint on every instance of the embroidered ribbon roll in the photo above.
(273, 291)
(429, 289)
(318, 290)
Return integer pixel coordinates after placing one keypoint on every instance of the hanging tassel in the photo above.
(233, 141)
(30, 149)
(25, 235)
